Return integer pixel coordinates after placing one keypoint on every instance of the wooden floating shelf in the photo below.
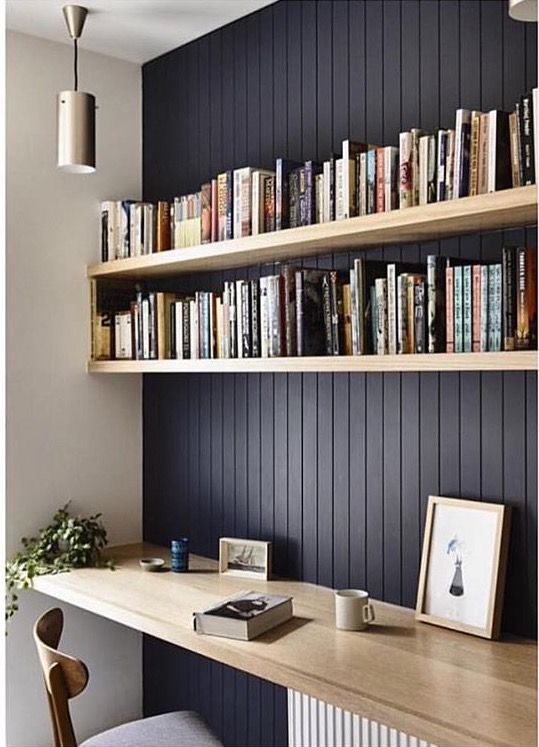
(506, 209)
(509, 361)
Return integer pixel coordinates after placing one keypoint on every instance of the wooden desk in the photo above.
(445, 687)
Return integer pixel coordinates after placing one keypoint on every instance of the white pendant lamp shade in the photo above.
(76, 132)
(76, 110)
(523, 10)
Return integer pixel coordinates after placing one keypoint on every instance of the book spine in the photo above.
(419, 316)
(435, 304)
(380, 285)
(335, 297)
(319, 198)
(391, 167)
(264, 320)
(492, 308)
(293, 199)
(509, 297)
(402, 315)
(483, 154)
(526, 139)
(380, 180)
(289, 283)
(476, 308)
(423, 169)
(233, 313)
(371, 181)
(229, 205)
(467, 308)
(523, 321)
(458, 311)
(410, 309)
(498, 302)
(405, 170)
(514, 141)
(474, 151)
(347, 320)
(326, 307)
(255, 319)
(339, 189)
(391, 309)
(483, 331)
(246, 205)
(371, 346)
(214, 211)
(450, 164)
(449, 310)
(246, 318)
(361, 304)
(269, 204)
(237, 203)
(302, 202)
(416, 134)
(353, 313)
(441, 166)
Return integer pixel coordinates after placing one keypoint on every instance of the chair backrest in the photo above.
(65, 676)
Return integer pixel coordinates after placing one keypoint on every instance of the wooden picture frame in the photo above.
(252, 554)
(482, 540)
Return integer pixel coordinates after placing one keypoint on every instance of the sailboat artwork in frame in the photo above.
(245, 557)
(463, 565)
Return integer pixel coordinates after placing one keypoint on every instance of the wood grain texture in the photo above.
(511, 207)
(512, 361)
(448, 688)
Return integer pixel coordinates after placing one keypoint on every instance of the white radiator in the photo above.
(313, 723)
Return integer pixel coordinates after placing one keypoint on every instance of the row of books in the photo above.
(374, 308)
(484, 152)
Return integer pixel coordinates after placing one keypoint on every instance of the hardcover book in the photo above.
(283, 167)
(244, 616)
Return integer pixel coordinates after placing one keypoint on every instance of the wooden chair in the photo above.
(66, 677)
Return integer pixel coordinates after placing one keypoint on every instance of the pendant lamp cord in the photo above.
(75, 66)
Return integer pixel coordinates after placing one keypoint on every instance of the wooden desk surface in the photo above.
(446, 687)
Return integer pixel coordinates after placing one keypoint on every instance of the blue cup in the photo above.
(179, 555)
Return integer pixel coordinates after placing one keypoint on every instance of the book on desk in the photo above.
(244, 616)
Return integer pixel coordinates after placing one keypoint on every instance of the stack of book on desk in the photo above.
(244, 616)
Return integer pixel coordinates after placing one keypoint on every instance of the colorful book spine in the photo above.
(467, 317)
(474, 151)
(371, 181)
(458, 309)
(392, 309)
(449, 310)
(380, 180)
(483, 337)
(494, 310)
(450, 164)
(476, 308)
(406, 195)
(509, 292)
(526, 333)
(402, 316)
(441, 166)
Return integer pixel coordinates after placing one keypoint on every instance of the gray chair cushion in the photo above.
(178, 729)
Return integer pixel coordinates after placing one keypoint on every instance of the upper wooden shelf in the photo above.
(448, 688)
(522, 360)
(506, 209)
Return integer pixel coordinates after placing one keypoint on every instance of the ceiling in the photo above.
(134, 30)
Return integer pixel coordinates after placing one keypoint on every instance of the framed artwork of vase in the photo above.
(463, 565)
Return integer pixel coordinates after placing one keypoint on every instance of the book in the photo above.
(108, 210)
(283, 167)
(205, 213)
(307, 199)
(441, 165)
(347, 320)
(350, 149)
(526, 138)
(476, 308)
(461, 174)
(474, 151)
(242, 201)
(499, 152)
(450, 164)
(526, 279)
(380, 180)
(288, 274)
(458, 309)
(391, 170)
(329, 187)
(380, 287)
(483, 154)
(509, 293)
(416, 133)
(427, 169)
(514, 141)
(403, 343)
(269, 204)
(224, 206)
(436, 303)
(309, 313)
(494, 309)
(420, 327)
(214, 211)
(163, 226)
(449, 310)
(319, 198)
(406, 186)
(258, 199)
(483, 332)
(244, 616)
(467, 320)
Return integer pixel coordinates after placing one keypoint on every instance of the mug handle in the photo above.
(368, 613)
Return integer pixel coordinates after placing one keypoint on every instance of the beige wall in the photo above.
(69, 435)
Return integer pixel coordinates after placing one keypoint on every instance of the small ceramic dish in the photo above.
(151, 564)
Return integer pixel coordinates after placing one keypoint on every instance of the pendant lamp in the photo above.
(76, 110)
(523, 10)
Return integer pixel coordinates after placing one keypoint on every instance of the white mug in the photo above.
(353, 611)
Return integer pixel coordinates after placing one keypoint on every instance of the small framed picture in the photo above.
(245, 557)
(463, 564)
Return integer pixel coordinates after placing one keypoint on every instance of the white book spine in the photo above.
(362, 197)
(256, 202)
(236, 204)
(348, 186)
(353, 312)
(457, 151)
(327, 191)
(145, 328)
(401, 315)
(339, 189)
(380, 285)
(483, 329)
(117, 336)
(491, 168)
(391, 309)
(239, 319)
(423, 169)
(178, 328)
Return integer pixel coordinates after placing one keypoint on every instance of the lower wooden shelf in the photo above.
(524, 360)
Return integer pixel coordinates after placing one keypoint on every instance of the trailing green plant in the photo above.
(68, 542)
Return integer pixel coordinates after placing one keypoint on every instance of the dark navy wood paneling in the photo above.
(335, 469)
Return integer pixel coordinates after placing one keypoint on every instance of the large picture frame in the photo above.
(245, 557)
(463, 565)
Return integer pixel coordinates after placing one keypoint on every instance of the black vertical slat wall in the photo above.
(335, 469)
